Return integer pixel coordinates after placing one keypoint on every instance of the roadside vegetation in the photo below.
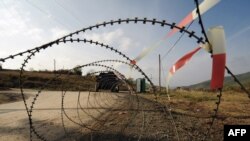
(193, 111)
(37, 79)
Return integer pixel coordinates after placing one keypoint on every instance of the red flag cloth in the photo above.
(181, 62)
(218, 72)
(216, 36)
(133, 62)
(204, 6)
(188, 19)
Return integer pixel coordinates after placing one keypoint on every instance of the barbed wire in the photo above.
(136, 20)
(133, 100)
(228, 70)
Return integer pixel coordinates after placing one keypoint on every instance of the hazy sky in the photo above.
(26, 24)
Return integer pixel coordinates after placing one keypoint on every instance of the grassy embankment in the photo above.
(36, 80)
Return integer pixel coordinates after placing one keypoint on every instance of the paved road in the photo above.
(47, 114)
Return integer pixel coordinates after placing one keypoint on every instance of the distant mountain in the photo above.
(229, 83)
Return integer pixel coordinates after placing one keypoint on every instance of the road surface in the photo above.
(46, 115)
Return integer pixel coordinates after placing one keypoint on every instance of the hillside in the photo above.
(34, 80)
(229, 83)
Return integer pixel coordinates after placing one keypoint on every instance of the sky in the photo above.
(26, 24)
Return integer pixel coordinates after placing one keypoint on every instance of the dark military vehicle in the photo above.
(107, 81)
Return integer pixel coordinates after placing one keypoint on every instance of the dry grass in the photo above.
(195, 109)
(232, 104)
(35, 80)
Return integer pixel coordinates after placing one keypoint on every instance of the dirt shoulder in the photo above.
(11, 96)
(191, 115)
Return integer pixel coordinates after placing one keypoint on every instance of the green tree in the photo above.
(89, 73)
(77, 70)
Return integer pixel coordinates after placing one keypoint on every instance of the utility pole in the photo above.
(54, 65)
(160, 72)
